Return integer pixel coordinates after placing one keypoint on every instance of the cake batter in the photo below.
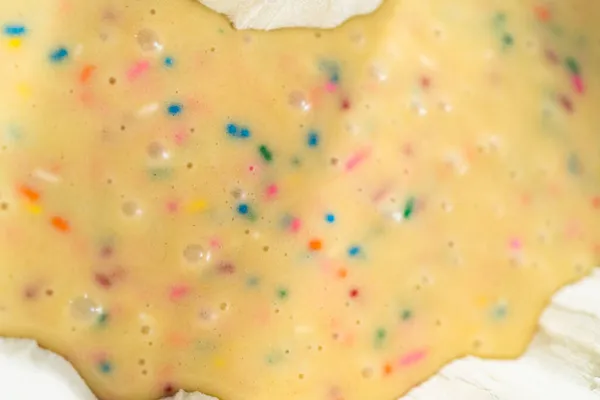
(299, 214)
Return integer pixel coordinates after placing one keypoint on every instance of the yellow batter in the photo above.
(300, 214)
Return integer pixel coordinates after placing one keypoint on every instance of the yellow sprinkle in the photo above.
(197, 206)
(218, 362)
(14, 43)
(33, 208)
(24, 90)
(482, 301)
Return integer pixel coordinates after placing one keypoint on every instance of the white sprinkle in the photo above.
(78, 50)
(46, 176)
(148, 109)
(303, 329)
(397, 216)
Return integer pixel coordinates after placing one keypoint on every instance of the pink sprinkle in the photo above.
(295, 225)
(178, 291)
(357, 159)
(515, 244)
(215, 243)
(137, 69)
(412, 358)
(180, 136)
(578, 84)
(380, 195)
(251, 168)
(173, 206)
(330, 87)
(272, 191)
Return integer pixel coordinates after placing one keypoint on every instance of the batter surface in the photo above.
(297, 214)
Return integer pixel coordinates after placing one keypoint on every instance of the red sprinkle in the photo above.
(551, 56)
(168, 390)
(346, 104)
(226, 268)
(103, 280)
(354, 293)
(566, 103)
(106, 251)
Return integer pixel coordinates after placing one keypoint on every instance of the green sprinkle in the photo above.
(406, 314)
(409, 208)
(252, 281)
(572, 65)
(205, 345)
(160, 174)
(274, 357)
(102, 319)
(499, 311)
(282, 293)
(508, 40)
(556, 30)
(499, 20)
(380, 336)
(574, 164)
(265, 153)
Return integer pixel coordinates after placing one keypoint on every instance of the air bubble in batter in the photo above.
(83, 308)
(298, 100)
(157, 151)
(131, 209)
(148, 41)
(195, 253)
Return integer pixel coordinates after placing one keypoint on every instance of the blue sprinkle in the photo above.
(175, 109)
(59, 54)
(169, 62)
(243, 209)
(231, 129)
(330, 218)
(574, 164)
(333, 70)
(313, 139)
(354, 251)
(253, 281)
(238, 132)
(105, 367)
(15, 30)
(244, 133)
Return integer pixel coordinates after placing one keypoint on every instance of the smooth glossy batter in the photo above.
(299, 214)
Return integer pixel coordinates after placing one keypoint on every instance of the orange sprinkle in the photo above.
(342, 273)
(596, 202)
(387, 369)
(543, 13)
(315, 245)
(28, 192)
(61, 224)
(86, 73)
